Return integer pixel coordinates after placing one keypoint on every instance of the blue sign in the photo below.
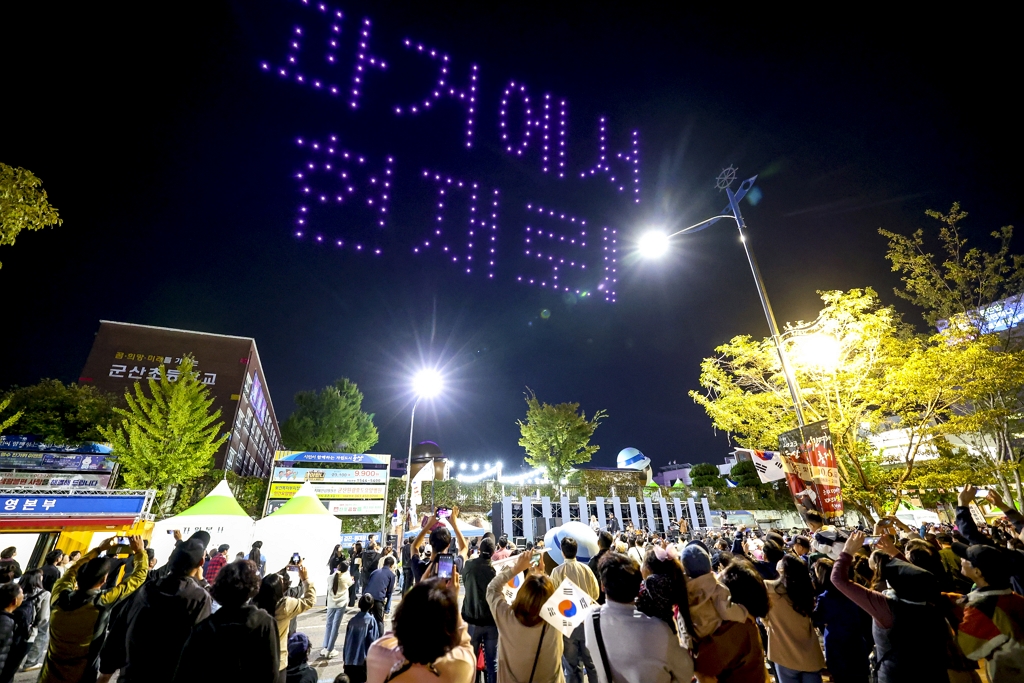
(42, 504)
(34, 460)
(309, 456)
(349, 540)
(27, 442)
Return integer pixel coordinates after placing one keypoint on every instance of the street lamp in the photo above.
(426, 383)
(819, 350)
(653, 244)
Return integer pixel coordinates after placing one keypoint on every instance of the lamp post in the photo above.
(426, 384)
(654, 244)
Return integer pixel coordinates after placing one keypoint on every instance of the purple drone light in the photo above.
(444, 88)
(543, 124)
(631, 159)
(480, 229)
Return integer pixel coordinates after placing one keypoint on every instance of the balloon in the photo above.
(585, 537)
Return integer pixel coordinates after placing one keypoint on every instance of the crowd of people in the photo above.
(929, 604)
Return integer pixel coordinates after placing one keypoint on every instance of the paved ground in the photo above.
(313, 624)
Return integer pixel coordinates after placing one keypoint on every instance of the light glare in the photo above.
(653, 244)
(427, 383)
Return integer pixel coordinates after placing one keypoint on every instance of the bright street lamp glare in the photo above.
(427, 383)
(817, 350)
(653, 244)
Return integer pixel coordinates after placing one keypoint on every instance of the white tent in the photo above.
(218, 513)
(304, 526)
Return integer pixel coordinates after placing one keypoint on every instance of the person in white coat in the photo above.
(337, 602)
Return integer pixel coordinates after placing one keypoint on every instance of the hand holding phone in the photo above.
(443, 513)
(445, 565)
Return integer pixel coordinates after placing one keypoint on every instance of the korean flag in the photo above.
(511, 587)
(768, 465)
(567, 607)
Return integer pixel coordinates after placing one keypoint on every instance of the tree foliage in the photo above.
(745, 474)
(23, 204)
(60, 413)
(556, 437)
(167, 438)
(885, 377)
(706, 476)
(330, 420)
(10, 418)
(977, 293)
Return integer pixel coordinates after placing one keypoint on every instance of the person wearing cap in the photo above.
(992, 627)
(911, 635)
(158, 620)
(965, 523)
(216, 563)
(299, 670)
(79, 605)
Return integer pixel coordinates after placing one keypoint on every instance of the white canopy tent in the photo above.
(304, 526)
(218, 513)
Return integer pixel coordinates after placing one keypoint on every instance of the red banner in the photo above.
(812, 472)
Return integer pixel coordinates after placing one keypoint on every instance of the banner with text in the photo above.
(331, 491)
(32, 460)
(93, 481)
(310, 456)
(811, 470)
(301, 474)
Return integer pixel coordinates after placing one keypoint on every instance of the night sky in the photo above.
(172, 157)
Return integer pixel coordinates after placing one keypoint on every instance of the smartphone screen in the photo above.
(443, 512)
(535, 559)
(871, 540)
(295, 558)
(445, 565)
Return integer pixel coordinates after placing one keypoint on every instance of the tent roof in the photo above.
(304, 502)
(219, 501)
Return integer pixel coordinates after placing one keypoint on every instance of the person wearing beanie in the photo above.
(78, 605)
(155, 624)
(299, 670)
(710, 602)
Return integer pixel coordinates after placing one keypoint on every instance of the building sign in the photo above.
(19, 442)
(355, 507)
(96, 481)
(31, 460)
(812, 472)
(331, 491)
(358, 458)
(117, 506)
(301, 474)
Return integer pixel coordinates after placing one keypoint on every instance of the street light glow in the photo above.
(818, 350)
(427, 383)
(653, 244)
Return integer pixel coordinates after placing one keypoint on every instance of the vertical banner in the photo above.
(811, 470)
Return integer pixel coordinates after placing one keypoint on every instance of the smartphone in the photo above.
(293, 568)
(981, 493)
(871, 540)
(170, 531)
(535, 559)
(295, 558)
(442, 513)
(445, 565)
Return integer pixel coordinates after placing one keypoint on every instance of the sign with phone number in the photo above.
(308, 456)
(72, 505)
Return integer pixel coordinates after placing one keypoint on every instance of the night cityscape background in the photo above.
(172, 156)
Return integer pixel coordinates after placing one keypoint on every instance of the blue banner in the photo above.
(34, 460)
(43, 504)
(349, 540)
(27, 442)
(308, 456)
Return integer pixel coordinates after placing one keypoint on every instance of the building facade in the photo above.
(124, 353)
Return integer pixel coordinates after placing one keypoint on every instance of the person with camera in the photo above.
(284, 608)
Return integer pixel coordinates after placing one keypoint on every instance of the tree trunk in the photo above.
(1016, 481)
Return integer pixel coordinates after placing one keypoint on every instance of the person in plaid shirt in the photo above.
(216, 563)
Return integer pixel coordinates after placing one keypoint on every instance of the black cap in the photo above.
(987, 559)
(202, 537)
(187, 557)
(223, 548)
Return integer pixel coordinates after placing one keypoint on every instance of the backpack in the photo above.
(24, 617)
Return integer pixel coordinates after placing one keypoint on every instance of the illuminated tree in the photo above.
(6, 422)
(61, 413)
(745, 474)
(556, 437)
(166, 439)
(23, 204)
(706, 476)
(882, 377)
(330, 420)
(976, 292)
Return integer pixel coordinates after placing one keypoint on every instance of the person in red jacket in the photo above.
(216, 563)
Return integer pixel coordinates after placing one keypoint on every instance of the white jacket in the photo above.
(339, 599)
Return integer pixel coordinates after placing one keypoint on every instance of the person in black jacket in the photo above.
(158, 620)
(12, 632)
(476, 575)
(237, 642)
(604, 542)
(370, 558)
(50, 570)
(299, 670)
(355, 589)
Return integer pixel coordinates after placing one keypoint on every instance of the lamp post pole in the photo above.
(733, 211)
(408, 467)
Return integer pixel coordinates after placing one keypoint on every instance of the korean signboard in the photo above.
(355, 507)
(331, 491)
(68, 480)
(71, 505)
(812, 472)
(325, 476)
(33, 460)
(357, 458)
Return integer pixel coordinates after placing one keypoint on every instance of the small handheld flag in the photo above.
(567, 607)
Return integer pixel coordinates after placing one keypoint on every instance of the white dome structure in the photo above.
(632, 459)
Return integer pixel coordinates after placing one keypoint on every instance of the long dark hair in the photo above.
(271, 593)
(746, 586)
(670, 568)
(342, 569)
(796, 583)
(31, 582)
(254, 554)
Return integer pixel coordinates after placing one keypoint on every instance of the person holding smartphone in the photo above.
(440, 539)
(283, 608)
